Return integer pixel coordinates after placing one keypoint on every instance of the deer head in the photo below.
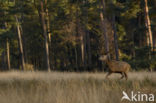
(103, 57)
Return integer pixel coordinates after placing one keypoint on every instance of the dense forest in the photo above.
(70, 35)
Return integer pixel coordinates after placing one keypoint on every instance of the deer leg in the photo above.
(122, 75)
(109, 73)
(126, 76)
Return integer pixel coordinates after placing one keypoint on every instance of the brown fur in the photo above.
(116, 67)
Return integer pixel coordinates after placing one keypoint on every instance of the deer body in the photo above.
(116, 66)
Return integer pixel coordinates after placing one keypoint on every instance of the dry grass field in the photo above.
(63, 87)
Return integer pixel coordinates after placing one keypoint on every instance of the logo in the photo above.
(134, 97)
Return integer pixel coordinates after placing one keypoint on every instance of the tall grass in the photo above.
(55, 87)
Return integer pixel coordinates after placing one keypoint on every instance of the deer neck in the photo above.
(108, 61)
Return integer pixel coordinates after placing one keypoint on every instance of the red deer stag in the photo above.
(116, 66)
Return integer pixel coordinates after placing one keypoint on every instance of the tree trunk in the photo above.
(133, 49)
(103, 24)
(20, 43)
(24, 44)
(89, 49)
(81, 34)
(148, 26)
(139, 25)
(76, 58)
(45, 36)
(8, 50)
(3, 60)
(83, 49)
(83, 41)
(48, 21)
(115, 39)
(88, 38)
(8, 54)
(77, 53)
